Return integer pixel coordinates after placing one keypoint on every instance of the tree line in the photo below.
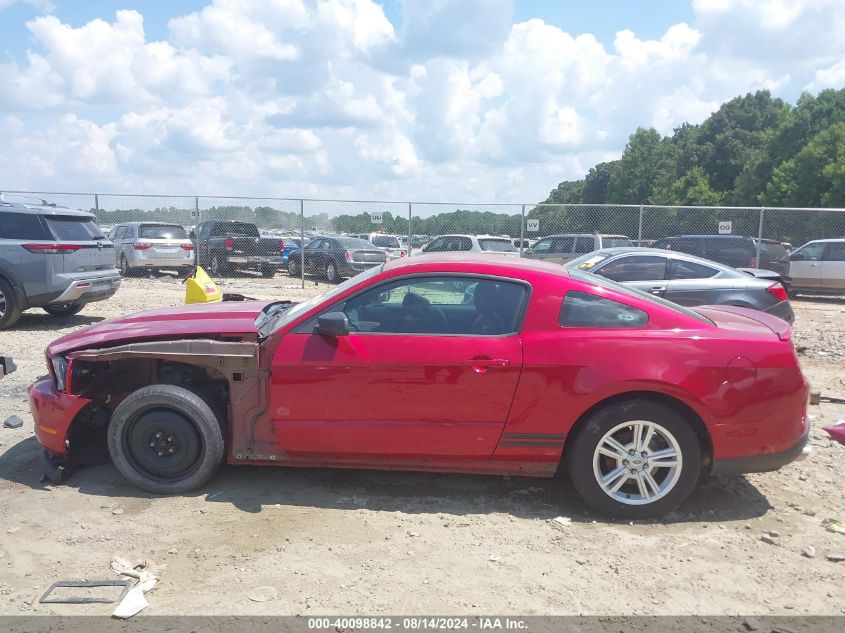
(755, 150)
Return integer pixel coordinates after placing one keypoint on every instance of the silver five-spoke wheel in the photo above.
(637, 462)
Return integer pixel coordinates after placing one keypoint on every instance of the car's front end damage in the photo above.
(92, 372)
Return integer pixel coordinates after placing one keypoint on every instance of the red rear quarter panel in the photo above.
(750, 406)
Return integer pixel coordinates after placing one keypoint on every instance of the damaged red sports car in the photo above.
(440, 363)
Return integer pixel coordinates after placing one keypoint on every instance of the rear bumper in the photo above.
(765, 462)
(87, 290)
(347, 269)
(783, 310)
(52, 414)
(256, 261)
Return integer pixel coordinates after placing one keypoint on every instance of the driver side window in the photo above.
(436, 305)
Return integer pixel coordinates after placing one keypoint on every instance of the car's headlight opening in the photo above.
(59, 371)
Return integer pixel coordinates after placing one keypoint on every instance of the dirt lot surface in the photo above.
(335, 541)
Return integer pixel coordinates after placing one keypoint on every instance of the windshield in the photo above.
(497, 246)
(590, 278)
(235, 228)
(614, 242)
(163, 232)
(589, 261)
(353, 243)
(385, 241)
(281, 318)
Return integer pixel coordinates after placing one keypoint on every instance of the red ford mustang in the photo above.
(441, 363)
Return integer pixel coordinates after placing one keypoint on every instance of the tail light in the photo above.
(140, 246)
(52, 249)
(187, 247)
(281, 246)
(778, 291)
(402, 253)
(229, 244)
(348, 256)
(752, 262)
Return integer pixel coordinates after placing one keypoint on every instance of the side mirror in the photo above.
(332, 324)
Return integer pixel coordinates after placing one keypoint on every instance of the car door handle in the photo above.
(481, 365)
(657, 289)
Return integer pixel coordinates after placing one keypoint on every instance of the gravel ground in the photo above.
(338, 541)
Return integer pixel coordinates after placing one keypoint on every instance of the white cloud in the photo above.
(326, 98)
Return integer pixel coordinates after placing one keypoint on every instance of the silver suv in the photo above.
(151, 246)
(53, 258)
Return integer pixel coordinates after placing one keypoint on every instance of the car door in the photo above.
(805, 265)
(311, 254)
(833, 266)
(403, 383)
(644, 272)
(693, 283)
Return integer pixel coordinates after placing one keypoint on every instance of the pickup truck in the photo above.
(224, 246)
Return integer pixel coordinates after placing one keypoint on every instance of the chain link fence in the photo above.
(284, 224)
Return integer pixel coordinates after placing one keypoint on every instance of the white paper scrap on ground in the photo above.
(134, 601)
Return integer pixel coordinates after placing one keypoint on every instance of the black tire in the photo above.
(125, 268)
(180, 425)
(267, 272)
(218, 267)
(63, 310)
(331, 273)
(293, 267)
(583, 447)
(10, 308)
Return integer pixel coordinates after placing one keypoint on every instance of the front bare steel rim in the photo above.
(637, 462)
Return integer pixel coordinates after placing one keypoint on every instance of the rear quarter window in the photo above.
(21, 226)
(581, 309)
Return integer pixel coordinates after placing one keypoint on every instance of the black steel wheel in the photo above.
(165, 439)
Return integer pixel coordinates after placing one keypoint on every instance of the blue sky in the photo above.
(488, 100)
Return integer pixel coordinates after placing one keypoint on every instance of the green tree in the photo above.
(634, 177)
(815, 176)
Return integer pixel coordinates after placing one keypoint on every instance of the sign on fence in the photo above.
(726, 228)
(532, 225)
(195, 214)
(376, 217)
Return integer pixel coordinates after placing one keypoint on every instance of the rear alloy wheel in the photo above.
(10, 311)
(165, 439)
(61, 310)
(293, 268)
(331, 273)
(635, 459)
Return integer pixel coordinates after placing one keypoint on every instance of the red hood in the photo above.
(234, 317)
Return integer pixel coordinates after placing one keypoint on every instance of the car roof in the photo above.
(42, 209)
(585, 235)
(640, 250)
(704, 237)
(827, 239)
(465, 262)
